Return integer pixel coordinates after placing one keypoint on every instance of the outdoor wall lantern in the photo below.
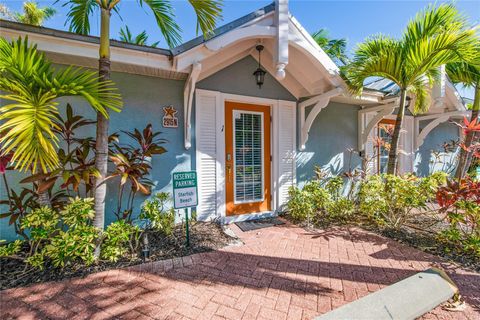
(259, 73)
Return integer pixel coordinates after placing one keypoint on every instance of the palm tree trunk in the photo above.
(101, 146)
(463, 161)
(392, 155)
(44, 199)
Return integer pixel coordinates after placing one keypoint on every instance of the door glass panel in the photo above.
(385, 132)
(248, 132)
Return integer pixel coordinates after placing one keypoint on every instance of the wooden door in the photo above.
(248, 161)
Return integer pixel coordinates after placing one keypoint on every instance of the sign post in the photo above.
(185, 195)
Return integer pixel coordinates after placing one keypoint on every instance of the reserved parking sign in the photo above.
(185, 189)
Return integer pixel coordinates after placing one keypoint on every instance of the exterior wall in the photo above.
(238, 78)
(143, 98)
(432, 156)
(333, 132)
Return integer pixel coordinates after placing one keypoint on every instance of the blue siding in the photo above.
(432, 156)
(333, 132)
(238, 78)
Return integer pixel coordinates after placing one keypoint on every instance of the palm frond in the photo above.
(435, 19)
(27, 126)
(335, 48)
(464, 73)
(378, 56)
(141, 38)
(208, 13)
(72, 81)
(126, 35)
(422, 96)
(32, 85)
(164, 15)
(79, 15)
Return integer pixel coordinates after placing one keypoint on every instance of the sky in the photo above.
(352, 20)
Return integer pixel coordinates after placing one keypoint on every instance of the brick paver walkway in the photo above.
(282, 272)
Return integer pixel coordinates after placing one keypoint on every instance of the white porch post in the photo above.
(187, 103)
(281, 48)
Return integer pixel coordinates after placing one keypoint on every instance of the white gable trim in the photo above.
(437, 119)
(320, 101)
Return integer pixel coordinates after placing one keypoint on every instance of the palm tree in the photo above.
(207, 11)
(468, 75)
(32, 85)
(335, 48)
(31, 14)
(435, 36)
(140, 39)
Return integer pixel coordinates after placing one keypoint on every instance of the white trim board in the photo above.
(214, 135)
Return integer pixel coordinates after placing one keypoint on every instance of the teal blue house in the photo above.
(250, 139)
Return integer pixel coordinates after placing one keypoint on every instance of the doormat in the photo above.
(258, 224)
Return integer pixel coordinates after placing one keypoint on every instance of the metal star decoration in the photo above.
(169, 111)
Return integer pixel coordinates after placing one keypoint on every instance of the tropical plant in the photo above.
(31, 13)
(335, 48)
(10, 249)
(140, 39)
(132, 164)
(207, 12)
(460, 201)
(32, 85)
(392, 201)
(157, 215)
(76, 168)
(64, 237)
(469, 76)
(119, 239)
(436, 36)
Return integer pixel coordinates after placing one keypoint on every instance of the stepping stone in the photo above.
(406, 299)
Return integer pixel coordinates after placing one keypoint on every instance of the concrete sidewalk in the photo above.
(283, 272)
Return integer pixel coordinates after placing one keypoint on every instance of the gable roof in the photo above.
(224, 29)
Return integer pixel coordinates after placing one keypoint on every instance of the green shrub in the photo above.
(120, 238)
(41, 222)
(308, 204)
(299, 206)
(334, 186)
(7, 250)
(62, 238)
(78, 212)
(341, 209)
(392, 200)
(75, 244)
(158, 216)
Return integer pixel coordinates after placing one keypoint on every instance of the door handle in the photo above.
(229, 173)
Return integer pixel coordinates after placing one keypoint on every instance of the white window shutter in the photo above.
(370, 148)
(206, 153)
(286, 151)
(406, 149)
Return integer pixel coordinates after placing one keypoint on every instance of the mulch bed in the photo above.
(424, 240)
(204, 237)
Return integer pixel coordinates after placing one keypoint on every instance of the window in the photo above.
(248, 146)
(384, 133)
